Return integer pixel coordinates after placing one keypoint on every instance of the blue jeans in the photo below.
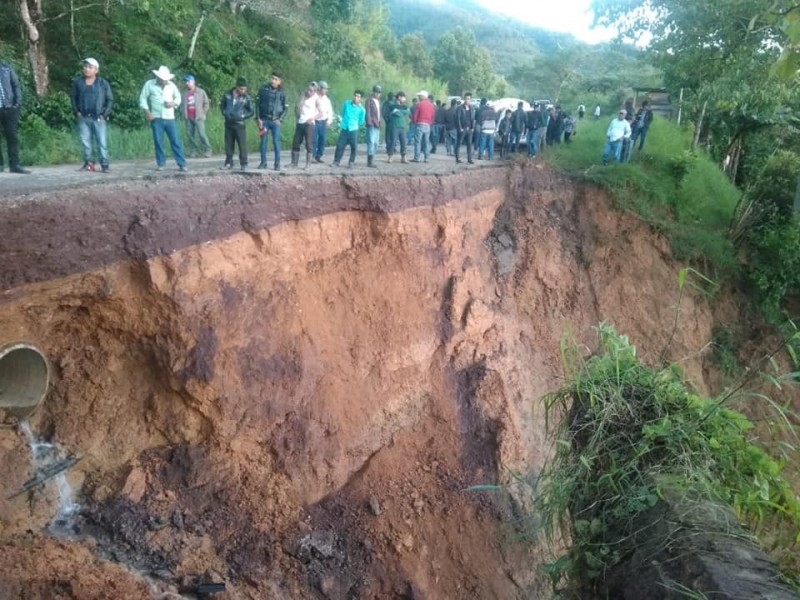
(514, 140)
(614, 148)
(534, 141)
(168, 126)
(412, 127)
(450, 140)
(422, 135)
(88, 127)
(320, 134)
(273, 128)
(486, 142)
(373, 136)
(346, 138)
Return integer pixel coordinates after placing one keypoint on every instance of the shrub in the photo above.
(625, 433)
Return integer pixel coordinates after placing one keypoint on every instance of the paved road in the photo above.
(43, 179)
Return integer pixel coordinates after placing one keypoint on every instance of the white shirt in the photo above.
(619, 128)
(308, 109)
(325, 110)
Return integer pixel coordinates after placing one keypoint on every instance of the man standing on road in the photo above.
(237, 108)
(465, 123)
(271, 109)
(159, 99)
(423, 119)
(353, 116)
(322, 122)
(195, 109)
(396, 120)
(10, 103)
(450, 131)
(306, 110)
(517, 127)
(618, 130)
(373, 124)
(535, 125)
(91, 102)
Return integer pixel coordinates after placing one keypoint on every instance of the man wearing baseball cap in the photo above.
(195, 107)
(322, 121)
(91, 100)
(373, 109)
(618, 130)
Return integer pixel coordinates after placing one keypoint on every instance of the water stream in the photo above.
(43, 455)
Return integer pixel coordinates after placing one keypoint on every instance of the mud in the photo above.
(290, 387)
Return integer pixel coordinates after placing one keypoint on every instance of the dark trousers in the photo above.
(465, 137)
(303, 131)
(398, 135)
(235, 133)
(346, 138)
(9, 124)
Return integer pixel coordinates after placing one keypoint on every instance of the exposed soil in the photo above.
(288, 386)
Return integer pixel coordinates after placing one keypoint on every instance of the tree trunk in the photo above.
(733, 152)
(698, 127)
(31, 12)
(196, 35)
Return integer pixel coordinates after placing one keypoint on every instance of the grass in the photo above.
(682, 194)
(627, 434)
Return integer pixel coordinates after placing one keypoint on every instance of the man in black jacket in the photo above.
(517, 127)
(237, 107)
(642, 120)
(91, 102)
(10, 102)
(271, 108)
(465, 124)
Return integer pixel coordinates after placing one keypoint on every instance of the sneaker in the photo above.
(335, 164)
(87, 166)
(349, 165)
(243, 168)
(318, 159)
(472, 162)
(19, 169)
(182, 168)
(105, 169)
(262, 165)
(160, 168)
(277, 167)
(227, 166)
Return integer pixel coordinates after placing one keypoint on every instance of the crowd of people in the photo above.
(419, 126)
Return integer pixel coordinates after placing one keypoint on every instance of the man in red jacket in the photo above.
(423, 118)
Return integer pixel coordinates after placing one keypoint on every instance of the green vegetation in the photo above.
(625, 434)
(680, 193)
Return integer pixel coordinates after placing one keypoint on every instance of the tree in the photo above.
(33, 19)
(413, 53)
(462, 63)
(720, 52)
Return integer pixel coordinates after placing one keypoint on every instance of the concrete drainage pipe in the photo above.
(24, 377)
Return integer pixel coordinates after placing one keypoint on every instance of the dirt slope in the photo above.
(297, 408)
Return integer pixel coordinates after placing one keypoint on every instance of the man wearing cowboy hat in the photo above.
(159, 99)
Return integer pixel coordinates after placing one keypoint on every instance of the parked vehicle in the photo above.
(502, 105)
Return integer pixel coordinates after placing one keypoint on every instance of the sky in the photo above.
(566, 16)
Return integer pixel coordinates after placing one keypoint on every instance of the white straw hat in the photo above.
(163, 73)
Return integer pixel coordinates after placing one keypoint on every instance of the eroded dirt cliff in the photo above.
(288, 389)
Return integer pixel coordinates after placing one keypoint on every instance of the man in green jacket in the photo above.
(397, 114)
(195, 108)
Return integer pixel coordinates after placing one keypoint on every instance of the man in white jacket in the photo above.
(159, 99)
(618, 130)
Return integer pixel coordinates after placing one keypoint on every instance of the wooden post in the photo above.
(680, 106)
